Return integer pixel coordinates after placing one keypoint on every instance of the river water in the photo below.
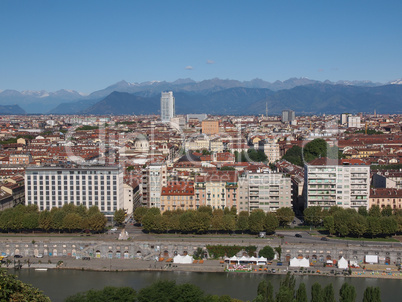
(59, 284)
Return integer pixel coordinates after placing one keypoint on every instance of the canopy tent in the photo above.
(244, 259)
(253, 259)
(343, 263)
(261, 260)
(183, 259)
(299, 262)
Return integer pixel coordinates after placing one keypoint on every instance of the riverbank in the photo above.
(208, 266)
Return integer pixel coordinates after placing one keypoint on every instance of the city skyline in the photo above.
(51, 46)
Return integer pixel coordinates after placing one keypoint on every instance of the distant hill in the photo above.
(308, 99)
(71, 102)
(11, 109)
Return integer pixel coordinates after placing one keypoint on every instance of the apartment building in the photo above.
(153, 179)
(53, 186)
(178, 195)
(210, 127)
(344, 183)
(268, 190)
(386, 197)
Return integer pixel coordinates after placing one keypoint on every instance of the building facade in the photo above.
(101, 186)
(343, 183)
(153, 179)
(269, 191)
(210, 127)
(288, 116)
(167, 106)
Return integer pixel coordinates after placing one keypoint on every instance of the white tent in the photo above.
(299, 262)
(261, 260)
(244, 259)
(234, 258)
(294, 262)
(304, 262)
(342, 263)
(183, 259)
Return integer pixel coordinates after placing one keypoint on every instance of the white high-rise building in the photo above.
(343, 183)
(49, 187)
(288, 116)
(353, 121)
(167, 106)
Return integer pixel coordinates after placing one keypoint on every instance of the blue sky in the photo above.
(88, 45)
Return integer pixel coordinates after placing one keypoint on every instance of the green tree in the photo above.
(301, 294)
(357, 225)
(109, 293)
(256, 221)
(45, 220)
(271, 223)
(363, 211)
(375, 211)
(372, 294)
(389, 226)
(347, 293)
(267, 252)
(374, 226)
(285, 216)
(315, 148)
(93, 210)
(329, 224)
(205, 209)
(97, 222)
(387, 211)
(229, 223)
(286, 291)
(150, 220)
(313, 215)
(57, 218)
(119, 216)
(217, 220)
(317, 293)
(72, 222)
(139, 213)
(12, 289)
(278, 249)
(30, 221)
(294, 156)
(329, 294)
(242, 221)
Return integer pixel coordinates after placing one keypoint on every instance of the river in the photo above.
(59, 284)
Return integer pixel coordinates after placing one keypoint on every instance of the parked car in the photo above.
(39, 256)
(324, 238)
(86, 258)
(273, 270)
(114, 229)
(17, 256)
(298, 235)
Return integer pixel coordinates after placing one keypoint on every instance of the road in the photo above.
(289, 236)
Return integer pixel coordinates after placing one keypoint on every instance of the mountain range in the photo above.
(216, 96)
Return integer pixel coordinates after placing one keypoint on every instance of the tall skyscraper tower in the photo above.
(167, 106)
(288, 116)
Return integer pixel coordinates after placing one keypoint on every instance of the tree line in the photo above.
(69, 218)
(169, 291)
(205, 219)
(342, 222)
(312, 150)
(287, 292)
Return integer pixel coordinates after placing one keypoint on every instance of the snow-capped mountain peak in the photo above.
(396, 82)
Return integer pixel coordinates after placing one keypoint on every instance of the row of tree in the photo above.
(362, 223)
(287, 292)
(69, 218)
(312, 150)
(251, 155)
(205, 219)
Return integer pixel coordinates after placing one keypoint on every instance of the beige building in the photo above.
(210, 127)
(386, 197)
